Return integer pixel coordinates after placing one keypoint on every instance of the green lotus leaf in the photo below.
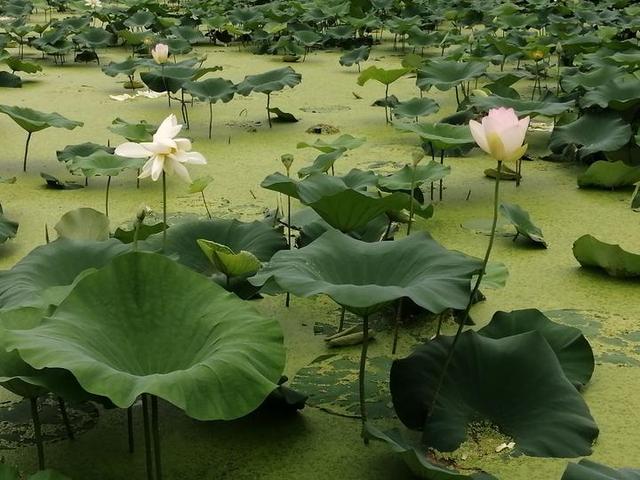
(521, 220)
(80, 150)
(18, 65)
(514, 383)
(178, 46)
(200, 184)
(549, 108)
(257, 238)
(226, 358)
(94, 37)
(227, 261)
(435, 279)
(495, 276)
(8, 228)
(355, 56)
(34, 121)
(56, 264)
(446, 74)
(322, 163)
(591, 133)
(282, 116)
(588, 470)
(386, 77)
(269, 82)
(212, 90)
(311, 226)
(171, 78)
(588, 80)
(441, 135)
(635, 199)
(57, 184)
(8, 80)
(414, 456)
(48, 475)
(569, 344)
(126, 234)
(83, 224)
(133, 132)
(126, 67)
(282, 184)
(346, 142)
(609, 175)
(102, 163)
(416, 107)
(619, 93)
(140, 19)
(403, 179)
(613, 259)
(190, 34)
(307, 37)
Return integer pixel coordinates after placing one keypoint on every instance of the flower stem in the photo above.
(164, 211)
(465, 316)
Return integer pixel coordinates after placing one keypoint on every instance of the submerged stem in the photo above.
(465, 315)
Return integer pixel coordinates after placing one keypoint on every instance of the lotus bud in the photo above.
(537, 55)
(417, 158)
(287, 161)
(501, 134)
(143, 211)
(160, 53)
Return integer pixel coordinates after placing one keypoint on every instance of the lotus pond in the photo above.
(360, 239)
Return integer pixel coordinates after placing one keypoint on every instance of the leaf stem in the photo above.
(164, 210)
(37, 431)
(155, 429)
(362, 375)
(26, 152)
(106, 197)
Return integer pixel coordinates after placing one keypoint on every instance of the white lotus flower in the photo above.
(93, 3)
(165, 153)
(160, 53)
(501, 134)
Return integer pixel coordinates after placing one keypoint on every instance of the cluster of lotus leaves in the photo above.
(145, 324)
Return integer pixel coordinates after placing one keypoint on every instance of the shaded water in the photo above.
(315, 444)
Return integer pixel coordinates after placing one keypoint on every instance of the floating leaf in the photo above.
(610, 175)
(520, 219)
(524, 386)
(56, 184)
(343, 142)
(591, 252)
(282, 116)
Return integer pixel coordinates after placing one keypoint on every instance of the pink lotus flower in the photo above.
(501, 134)
(160, 53)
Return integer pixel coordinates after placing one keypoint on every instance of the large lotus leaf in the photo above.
(569, 344)
(268, 82)
(416, 107)
(133, 132)
(212, 90)
(16, 64)
(34, 121)
(354, 57)
(363, 277)
(592, 133)
(386, 77)
(549, 108)
(414, 455)
(171, 78)
(609, 175)
(588, 470)
(515, 383)
(140, 19)
(618, 94)
(8, 228)
(83, 224)
(617, 262)
(126, 67)
(94, 37)
(8, 80)
(257, 238)
(446, 74)
(588, 80)
(80, 150)
(440, 135)
(521, 220)
(164, 330)
(322, 163)
(56, 264)
(346, 142)
(232, 264)
(103, 163)
(403, 178)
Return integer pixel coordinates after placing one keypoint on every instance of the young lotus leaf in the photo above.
(227, 261)
(212, 355)
(323, 163)
(591, 133)
(133, 132)
(8, 228)
(588, 470)
(346, 142)
(83, 224)
(521, 220)
(416, 107)
(355, 57)
(385, 77)
(363, 277)
(441, 135)
(404, 178)
(33, 121)
(127, 235)
(413, 453)
(446, 74)
(56, 264)
(609, 175)
(617, 262)
(569, 344)
(531, 108)
(200, 184)
(513, 383)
